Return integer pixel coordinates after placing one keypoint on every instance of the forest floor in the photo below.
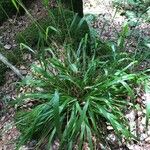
(109, 24)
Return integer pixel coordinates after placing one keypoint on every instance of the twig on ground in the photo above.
(13, 68)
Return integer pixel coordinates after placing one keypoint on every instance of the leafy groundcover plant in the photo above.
(75, 96)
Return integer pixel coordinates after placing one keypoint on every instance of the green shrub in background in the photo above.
(59, 26)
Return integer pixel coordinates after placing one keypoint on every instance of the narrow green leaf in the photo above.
(15, 4)
(24, 46)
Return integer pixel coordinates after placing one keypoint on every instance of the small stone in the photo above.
(109, 127)
(111, 137)
(25, 57)
(14, 45)
(9, 137)
(30, 104)
(23, 72)
(23, 148)
(148, 132)
(131, 115)
(11, 110)
(39, 89)
(10, 20)
(3, 118)
(22, 67)
(7, 46)
(29, 56)
(8, 30)
(147, 140)
(144, 111)
(143, 137)
(143, 121)
(141, 128)
(140, 113)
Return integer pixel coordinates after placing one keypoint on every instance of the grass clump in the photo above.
(60, 26)
(77, 87)
(76, 96)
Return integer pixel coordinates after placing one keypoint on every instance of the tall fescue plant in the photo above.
(76, 93)
(76, 96)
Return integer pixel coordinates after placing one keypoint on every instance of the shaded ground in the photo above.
(108, 27)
